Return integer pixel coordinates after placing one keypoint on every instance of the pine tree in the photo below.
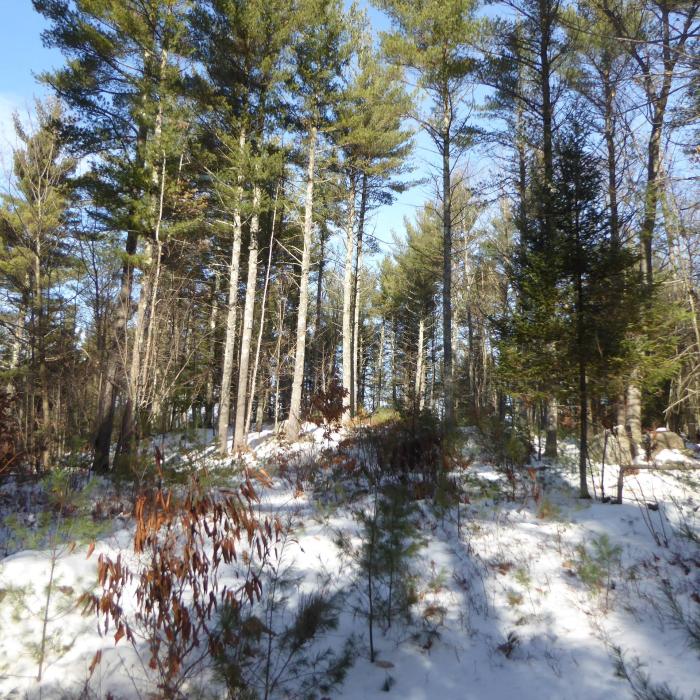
(433, 39)
(595, 271)
(122, 68)
(410, 290)
(374, 147)
(35, 259)
(528, 79)
(321, 50)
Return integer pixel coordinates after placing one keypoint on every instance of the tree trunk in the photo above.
(609, 119)
(318, 331)
(550, 445)
(356, 338)
(230, 337)
(106, 410)
(17, 339)
(278, 359)
(447, 379)
(239, 436)
(394, 397)
(127, 436)
(583, 393)
(294, 421)
(348, 384)
(380, 368)
(634, 417)
(419, 392)
(209, 391)
(253, 384)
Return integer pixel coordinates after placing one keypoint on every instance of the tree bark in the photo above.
(106, 411)
(294, 421)
(17, 340)
(278, 360)
(419, 392)
(356, 337)
(239, 435)
(634, 417)
(253, 381)
(380, 368)
(348, 384)
(550, 445)
(209, 391)
(448, 384)
(319, 382)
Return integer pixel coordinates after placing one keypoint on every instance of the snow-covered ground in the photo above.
(529, 598)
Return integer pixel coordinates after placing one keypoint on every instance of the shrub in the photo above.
(269, 652)
(411, 449)
(385, 583)
(597, 567)
(327, 407)
(641, 684)
(182, 543)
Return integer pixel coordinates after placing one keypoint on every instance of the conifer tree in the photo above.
(374, 145)
(596, 273)
(321, 49)
(241, 47)
(121, 69)
(433, 39)
(528, 77)
(35, 259)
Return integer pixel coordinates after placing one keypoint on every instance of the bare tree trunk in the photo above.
(278, 359)
(213, 314)
(433, 364)
(447, 379)
(230, 338)
(253, 384)
(17, 339)
(550, 445)
(348, 383)
(380, 368)
(419, 400)
(262, 405)
(356, 339)
(318, 331)
(634, 417)
(356, 294)
(294, 422)
(126, 435)
(239, 436)
(394, 397)
(149, 361)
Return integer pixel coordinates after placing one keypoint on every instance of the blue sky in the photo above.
(23, 56)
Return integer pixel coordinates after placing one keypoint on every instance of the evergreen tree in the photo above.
(36, 259)
(374, 145)
(321, 50)
(433, 39)
(118, 85)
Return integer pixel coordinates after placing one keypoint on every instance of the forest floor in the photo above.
(523, 590)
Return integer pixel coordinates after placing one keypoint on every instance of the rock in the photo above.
(666, 439)
(618, 450)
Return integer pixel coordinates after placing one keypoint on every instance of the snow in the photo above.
(666, 455)
(514, 571)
